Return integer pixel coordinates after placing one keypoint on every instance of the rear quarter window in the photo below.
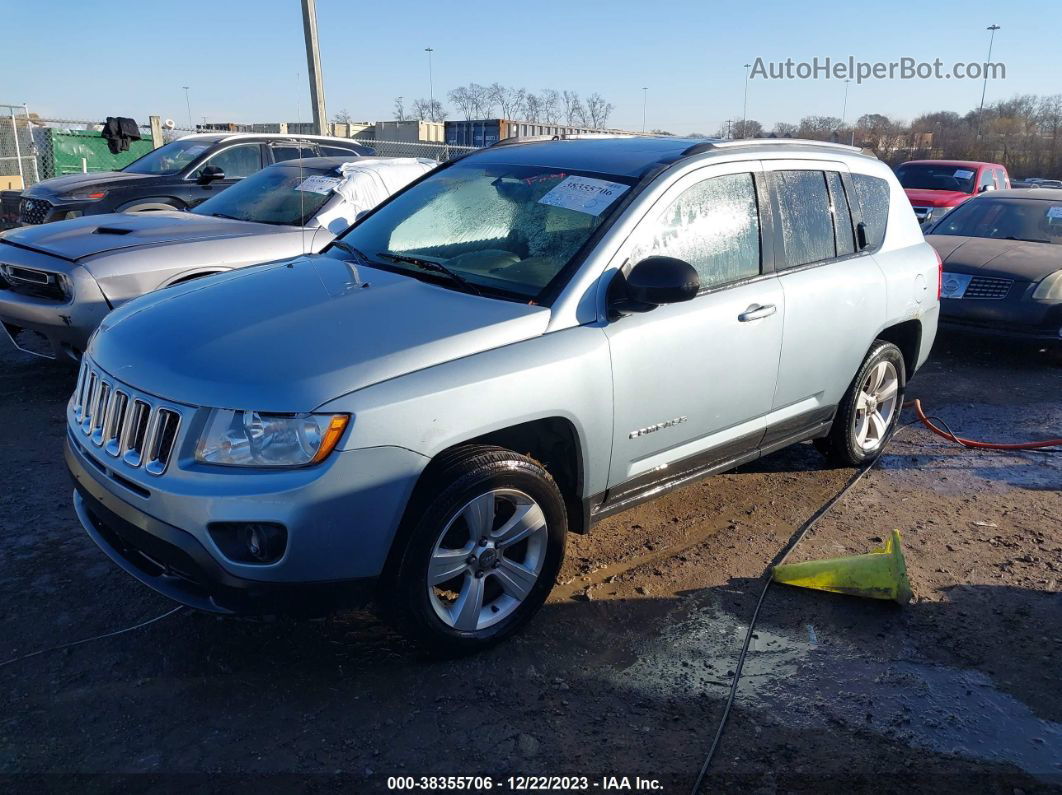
(872, 193)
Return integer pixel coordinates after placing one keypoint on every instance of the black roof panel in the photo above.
(628, 157)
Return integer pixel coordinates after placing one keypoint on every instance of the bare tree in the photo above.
(400, 110)
(784, 129)
(748, 128)
(482, 101)
(550, 105)
(342, 117)
(510, 101)
(532, 107)
(463, 100)
(573, 108)
(429, 110)
(598, 110)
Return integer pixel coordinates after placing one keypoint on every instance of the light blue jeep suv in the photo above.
(524, 341)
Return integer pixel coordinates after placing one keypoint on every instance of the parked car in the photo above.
(1050, 183)
(1002, 258)
(531, 338)
(936, 187)
(180, 174)
(58, 281)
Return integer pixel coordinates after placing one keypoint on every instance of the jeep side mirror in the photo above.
(209, 174)
(653, 282)
(986, 188)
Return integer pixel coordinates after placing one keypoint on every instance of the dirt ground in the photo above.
(626, 669)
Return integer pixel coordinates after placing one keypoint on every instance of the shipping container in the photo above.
(487, 132)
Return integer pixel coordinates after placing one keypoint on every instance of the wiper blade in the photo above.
(222, 215)
(351, 250)
(435, 267)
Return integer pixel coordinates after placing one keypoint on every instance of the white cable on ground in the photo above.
(89, 640)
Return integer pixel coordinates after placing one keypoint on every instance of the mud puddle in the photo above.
(816, 681)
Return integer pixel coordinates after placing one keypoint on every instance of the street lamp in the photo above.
(431, 85)
(745, 106)
(188, 105)
(645, 94)
(984, 86)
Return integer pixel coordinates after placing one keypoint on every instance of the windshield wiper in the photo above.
(222, 215)
(351, 250)
(435, 267)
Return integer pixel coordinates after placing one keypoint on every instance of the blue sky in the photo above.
(245, 61)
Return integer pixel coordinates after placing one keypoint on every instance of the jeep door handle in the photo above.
(757, 312)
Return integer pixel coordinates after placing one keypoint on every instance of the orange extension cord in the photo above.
(917, 405)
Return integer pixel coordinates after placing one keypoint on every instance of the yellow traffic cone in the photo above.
(880, 574)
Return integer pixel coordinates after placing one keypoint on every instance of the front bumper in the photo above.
(336, 547)
(1019, 317)
(62, 328)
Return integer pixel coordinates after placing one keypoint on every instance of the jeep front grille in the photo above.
(132, 427)
(34, 211)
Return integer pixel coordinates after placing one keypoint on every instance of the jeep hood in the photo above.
(290, 336)
(936, 198)
(1009, 259)
(58, 186)
(91, 235)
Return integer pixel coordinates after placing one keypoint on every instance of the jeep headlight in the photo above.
(84, 195)
(1050, 289)
(258, 439)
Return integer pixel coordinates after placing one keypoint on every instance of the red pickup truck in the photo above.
(936, 187)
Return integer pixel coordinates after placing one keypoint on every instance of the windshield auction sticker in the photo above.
(584, 194)
(318, 184)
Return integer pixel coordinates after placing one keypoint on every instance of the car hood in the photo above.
(90, 235)
(935, 198)
(1010, 259)
(292, 335)
(58, 186)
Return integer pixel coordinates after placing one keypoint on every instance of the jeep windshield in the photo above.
(506, 230)
(282, 195)
(168, 159)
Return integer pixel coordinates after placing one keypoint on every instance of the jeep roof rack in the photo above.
(715, 144)
(531, 139)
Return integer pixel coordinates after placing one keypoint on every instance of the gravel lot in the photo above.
(626, 669)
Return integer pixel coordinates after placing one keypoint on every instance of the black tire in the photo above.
(454, 480)
(841, 445)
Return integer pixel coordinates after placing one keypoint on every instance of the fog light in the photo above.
(250, 542)
(73, 214)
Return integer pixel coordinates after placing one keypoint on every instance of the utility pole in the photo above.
(313, 65)
(745, 106)
(188, 105)
(844, 107)
(431, 85)
(984, 86)
(645, 96)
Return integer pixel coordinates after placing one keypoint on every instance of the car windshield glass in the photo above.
(282, 195)
(936, 177)
(503, 229)
(1005, 219)
(168, 159)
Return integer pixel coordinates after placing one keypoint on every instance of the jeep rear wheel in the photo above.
(483, 553)
(869, 410)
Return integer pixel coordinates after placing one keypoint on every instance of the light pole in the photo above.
(844, 106)
(188, 105)
(984, 86)
(745, 106)
(645, 95)
(431, 85)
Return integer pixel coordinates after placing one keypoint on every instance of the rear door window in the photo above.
(806, 219)
(337, 151)
(282, 152)
(872, 195)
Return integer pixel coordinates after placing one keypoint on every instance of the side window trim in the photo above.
(834, 201)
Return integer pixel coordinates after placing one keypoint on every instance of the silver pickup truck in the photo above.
(526, 340)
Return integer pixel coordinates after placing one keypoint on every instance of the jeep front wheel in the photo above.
(483, 553)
